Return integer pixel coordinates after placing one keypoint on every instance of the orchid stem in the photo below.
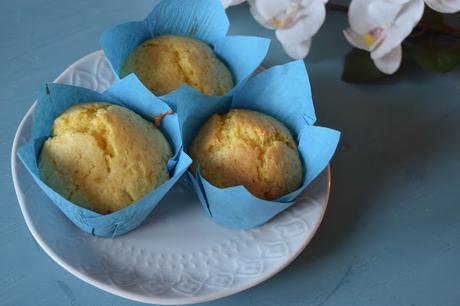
(447, 29)
(337, 7)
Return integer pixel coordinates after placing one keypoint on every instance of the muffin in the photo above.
(104, 157)
(244, 147)
(164, 63)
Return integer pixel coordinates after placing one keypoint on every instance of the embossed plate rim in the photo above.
(125, 293)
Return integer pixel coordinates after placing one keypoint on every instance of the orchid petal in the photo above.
(298, 50)
(394, 37)
(279, 14)
(355, 39)
(412, 11)
(268, 9)
(227, 3)
(444, 6)
(366, 15)
(390, 62)
(402, 27)
(257, 16)
(295, 21)
(304, 28)
(380, 26)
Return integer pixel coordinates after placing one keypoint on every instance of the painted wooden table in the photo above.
(391, 235)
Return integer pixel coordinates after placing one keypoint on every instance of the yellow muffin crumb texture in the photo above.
(104, 157)
(164, 63)
(244, 147)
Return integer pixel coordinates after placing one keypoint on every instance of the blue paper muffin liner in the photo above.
(282, 92)
(54, 99)
(200, 19)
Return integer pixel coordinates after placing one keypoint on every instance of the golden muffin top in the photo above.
(104, 157)
(164, 63)
(244, 147)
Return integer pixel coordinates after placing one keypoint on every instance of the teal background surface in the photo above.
(391, 234)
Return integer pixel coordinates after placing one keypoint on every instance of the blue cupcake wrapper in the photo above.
(201, 19)
(282, 92)
(53, 100)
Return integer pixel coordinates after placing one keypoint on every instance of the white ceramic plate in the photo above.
(178, 255)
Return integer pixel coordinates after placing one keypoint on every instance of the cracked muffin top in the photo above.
(164, 63)
(104, 157)
(244, 147)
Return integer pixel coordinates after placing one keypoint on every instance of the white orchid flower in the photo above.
(227, 3)
(444, 6)
(380, 26)
(295, 21)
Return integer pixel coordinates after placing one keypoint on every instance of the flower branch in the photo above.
(336, 7)
(380, 30)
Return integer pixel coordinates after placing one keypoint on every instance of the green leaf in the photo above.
(437, 57)
(359, 68)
